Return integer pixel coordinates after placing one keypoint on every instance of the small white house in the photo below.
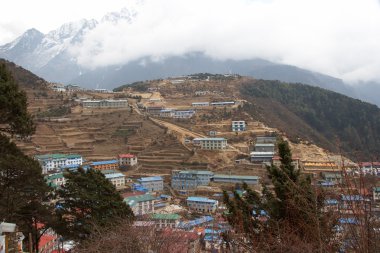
(127, 160)
(238, 126)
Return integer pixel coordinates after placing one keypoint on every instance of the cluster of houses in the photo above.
(105, 103)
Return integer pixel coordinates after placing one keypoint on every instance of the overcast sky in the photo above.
(336, 37)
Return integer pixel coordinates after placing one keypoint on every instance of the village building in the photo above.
(52, 162)
(211, 143)
(141, 204)
(261, 157)
(220, 178)
(102, 91)
(167, 113)
(276, 160)
(106, 103)
(264, 147)
(376, 193)
(319, 166)
(127, 160)
(226, 103)
(238, 126)
(152, 184)
(115, 177)
(372, 168)
(105, 165)
(190, 179)
(335, 177)
(166, 220)
(55, 180)
(202, 204)
(154, 110)
(266, 139)
(183, 114)
(200, 104)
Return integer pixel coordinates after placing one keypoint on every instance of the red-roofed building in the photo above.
(48, 244)
(127, 160)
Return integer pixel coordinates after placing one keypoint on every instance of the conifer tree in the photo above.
(87, 199)
(13, 106)
(24, 195)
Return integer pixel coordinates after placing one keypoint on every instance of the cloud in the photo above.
(340, 37)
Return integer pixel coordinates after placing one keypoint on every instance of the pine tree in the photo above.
(24, 195)
(87, 199)
(292, 212)
(13, 106)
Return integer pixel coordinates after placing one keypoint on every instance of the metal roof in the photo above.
(209, 139)
(114, 175)
(104, 162)
(202, 199)
(148, 179)
(165, 216)
(57, 156)
(236, 177)
(133, 200)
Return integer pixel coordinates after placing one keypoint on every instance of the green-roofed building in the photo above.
(141, 204)
(51, 162)
(166, 220)
(55, 180)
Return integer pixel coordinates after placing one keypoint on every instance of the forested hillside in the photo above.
(338, 122)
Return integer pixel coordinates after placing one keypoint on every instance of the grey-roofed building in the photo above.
(264, 147)
(190, 179)
(221, 178)
(202, 204)
(260, 157)
(152, 184)
(211, 143)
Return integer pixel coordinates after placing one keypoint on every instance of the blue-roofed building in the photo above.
(188, 225)
(50, 162)
(152, 184)
(211, 143)
(190, 179)
(74, 167)
(351, 203)
(105, 165)
(202, 204)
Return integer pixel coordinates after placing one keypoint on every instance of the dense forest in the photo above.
(349, 125)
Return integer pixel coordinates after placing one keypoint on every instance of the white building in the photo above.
(51, 162)
(200, 104)
(201, 204)
(116, 178)
(183, 114)
(211, 143)
(238, 126)
(106, 103)
(166, 220)
(141, 204)
(127, 159)
(152, 184)
(55, 180)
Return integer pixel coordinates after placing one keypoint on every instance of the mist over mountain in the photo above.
(55, 57)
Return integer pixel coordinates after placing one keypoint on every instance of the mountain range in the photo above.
(48, 55)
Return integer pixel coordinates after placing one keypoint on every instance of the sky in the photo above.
(336, 37)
